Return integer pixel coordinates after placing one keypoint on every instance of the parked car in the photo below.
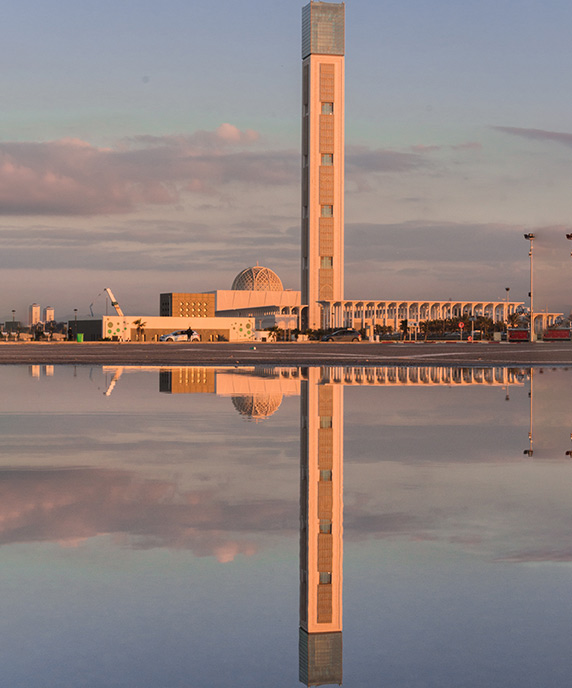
(181, 336)
(345, 335)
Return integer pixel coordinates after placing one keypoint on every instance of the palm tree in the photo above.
(513, 320)
(140, 325)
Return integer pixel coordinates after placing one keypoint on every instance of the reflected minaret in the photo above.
(321, 531)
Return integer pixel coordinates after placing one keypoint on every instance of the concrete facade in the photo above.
(34, 314)
(150, 328)
(370, 312)
(268, 308)
(187, 305)
(322, 222)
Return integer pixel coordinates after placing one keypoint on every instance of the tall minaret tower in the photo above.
(323, 47)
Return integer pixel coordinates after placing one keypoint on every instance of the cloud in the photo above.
(147, 245)
(73, 177)
(362, 159)
(225, 135)
(467, 145)
(362, 163)
(465, 242)
(72, 505)
(420, 148)
(562, 138)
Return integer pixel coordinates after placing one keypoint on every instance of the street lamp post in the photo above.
(530, 237)
(13, 314)
(507, 289)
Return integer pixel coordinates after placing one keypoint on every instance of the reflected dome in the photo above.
(257, 406)
(257, 278)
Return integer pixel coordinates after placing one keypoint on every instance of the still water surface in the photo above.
(204, 527)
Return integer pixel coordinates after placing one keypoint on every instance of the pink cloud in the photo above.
(228, 132)
(73, 177)
(71, 506)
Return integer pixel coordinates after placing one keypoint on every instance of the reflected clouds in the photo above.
(68, 506)
(424, 461)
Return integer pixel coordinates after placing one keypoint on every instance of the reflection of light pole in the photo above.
(531, 238)
(530, 451)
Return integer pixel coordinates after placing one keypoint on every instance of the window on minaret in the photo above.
(327, 108)
(326, 262)
(327, 211)
(328, 159)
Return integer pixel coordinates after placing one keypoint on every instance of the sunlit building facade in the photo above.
(34, 314)
(256, 292)
(323, 47)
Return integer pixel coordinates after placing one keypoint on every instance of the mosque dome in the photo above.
(257, 278)
(257, 406)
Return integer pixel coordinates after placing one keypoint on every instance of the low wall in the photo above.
(151, 328)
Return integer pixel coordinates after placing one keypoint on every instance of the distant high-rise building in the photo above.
(34, 314)
(49, 314)
(323, 47)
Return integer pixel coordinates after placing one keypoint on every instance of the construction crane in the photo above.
(114, 302)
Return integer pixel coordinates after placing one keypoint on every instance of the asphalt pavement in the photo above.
(288, 353)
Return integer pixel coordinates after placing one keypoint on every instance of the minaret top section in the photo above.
(323, 29)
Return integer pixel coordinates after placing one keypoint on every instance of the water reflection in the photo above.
(257, 394)
(436, 481)
(321, 530)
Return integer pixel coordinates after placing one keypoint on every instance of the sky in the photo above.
(153, 148)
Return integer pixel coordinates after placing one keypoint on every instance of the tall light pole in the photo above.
(507, 289)
(531, 237)
(13, 314)
(569, 236)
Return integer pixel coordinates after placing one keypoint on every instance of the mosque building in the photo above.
(258, 291)
(322, 199)
(257, 299)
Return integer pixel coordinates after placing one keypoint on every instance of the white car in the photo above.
(180, 336)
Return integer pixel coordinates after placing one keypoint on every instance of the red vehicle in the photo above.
(556, 334)
(518, 335)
